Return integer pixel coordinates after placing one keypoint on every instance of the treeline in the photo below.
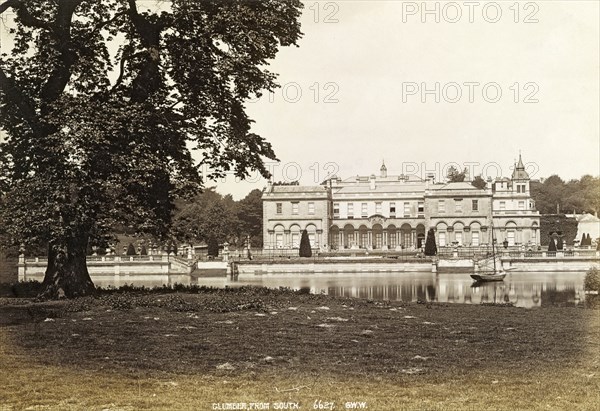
(553, 195)
(213, 219)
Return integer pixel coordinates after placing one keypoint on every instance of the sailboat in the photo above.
(489, 268)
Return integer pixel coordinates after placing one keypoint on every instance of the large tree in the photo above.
(102, 102)
(250, 216)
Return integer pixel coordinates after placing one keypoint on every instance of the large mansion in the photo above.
(395, 212)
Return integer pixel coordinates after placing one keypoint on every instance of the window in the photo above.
(295, 240)
(363, 210)
(518, 188)
(510, 236)
(442, 239)
(295, 206)
(521, 205)
(378, 208)
(392, 209)
(336, 210)
(406, 209)
(441, 206)
(475, 205)
(311, 208)
(279, 208)
(279, 240)
(312, 239)
(502, 205)
(458, 205)
(475, 238)
(350, 210)
(420, 207)
(458, 237)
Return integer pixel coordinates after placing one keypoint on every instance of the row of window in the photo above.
(458, 238)
(520, 205)
(407, 212)
(458, 205)
(295, 238)
(364, 209)
(296, 207)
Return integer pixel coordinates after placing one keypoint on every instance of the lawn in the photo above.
(232, 348)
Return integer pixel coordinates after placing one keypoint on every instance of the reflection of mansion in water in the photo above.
(394, 212)
(527, 294)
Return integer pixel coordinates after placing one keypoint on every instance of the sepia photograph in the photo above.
(299, 205)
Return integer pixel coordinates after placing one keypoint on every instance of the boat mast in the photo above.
(493, 235)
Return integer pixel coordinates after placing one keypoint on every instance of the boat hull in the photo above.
(488, 277)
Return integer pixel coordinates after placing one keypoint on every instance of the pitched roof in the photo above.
(298, 189)
(454, 186)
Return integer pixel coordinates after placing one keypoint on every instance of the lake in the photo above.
(527, 290)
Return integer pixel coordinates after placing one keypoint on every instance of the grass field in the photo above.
(216, 349)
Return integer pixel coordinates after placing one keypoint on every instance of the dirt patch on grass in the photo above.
(258, 335)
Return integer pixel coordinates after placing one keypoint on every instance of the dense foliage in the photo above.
(557, 224)
(479, 183)
(211, 216)
(553, 195)
(101, 102)
(455, 176)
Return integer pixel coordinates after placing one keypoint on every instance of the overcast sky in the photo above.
(375, 60)
(382, 80)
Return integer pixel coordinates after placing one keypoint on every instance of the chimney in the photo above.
(372, 182)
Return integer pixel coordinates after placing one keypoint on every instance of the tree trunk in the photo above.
(67, 274)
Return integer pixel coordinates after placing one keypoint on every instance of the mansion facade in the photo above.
(395, 212)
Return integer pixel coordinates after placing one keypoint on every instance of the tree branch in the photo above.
(61, 73)
(26, 17)
(15, 97)
(148, 79)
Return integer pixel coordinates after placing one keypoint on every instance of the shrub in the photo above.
(131, 249)
(552, 245)
(592, 280)
(213, 247)
(143, 251)
(21, 289)
(305, 250)
(430, 246)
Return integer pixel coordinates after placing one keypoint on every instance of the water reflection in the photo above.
(521, 289)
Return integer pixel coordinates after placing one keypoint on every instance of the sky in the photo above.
(361, 89)
(428, 85)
